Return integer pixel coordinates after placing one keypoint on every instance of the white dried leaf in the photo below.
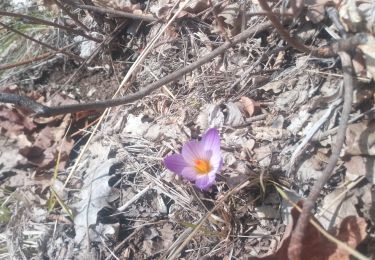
(275, 86)
(234, 116)
(297, 121)
(210, 116)
(369, 55)
(269, 133)
(263, 155)
(350, 15)
(307, 171)
(336, 207)
(135, 126)
(229, 159)
(153, 133)
(95, 193)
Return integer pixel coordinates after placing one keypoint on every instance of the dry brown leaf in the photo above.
(316, 9)
(13, 122)
(361, 166)
(360, 139)
(352, 231)
(228, 19)
(248, 105)
(43, 151)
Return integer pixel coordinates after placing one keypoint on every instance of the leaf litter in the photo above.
(273, 129)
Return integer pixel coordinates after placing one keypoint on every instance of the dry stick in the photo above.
(28, 61)
(41, 21)
(37, 58)
(44, 111)
(116, 13)
(72, 16)
(76, 57)
(323, 52)
(295, 247)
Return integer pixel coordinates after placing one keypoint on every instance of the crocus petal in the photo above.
(189, 173)
(192, 151)
(175, 163)
(216, 163)
(204, 182)
(211, 140)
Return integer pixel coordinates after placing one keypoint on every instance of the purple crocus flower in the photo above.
(199, 161)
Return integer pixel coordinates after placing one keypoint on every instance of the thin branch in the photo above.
(76, 57)
(44, 111)
(116, 13)
(41, 21)
(28, 61)
(323, 52)
(295, 247)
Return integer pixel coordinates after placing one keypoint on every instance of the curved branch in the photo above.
(41, 21)
(44, 111)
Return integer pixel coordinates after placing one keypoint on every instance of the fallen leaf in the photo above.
(210, 116)
(270, 133)
(134, 125)
(350, 15)
(336, 206)
(352, 231)
(233, 116)
(316, 9)
(249, 105)
(360, 139)
(368, 50)
(230, 19)
(93, 196)
(361, 166)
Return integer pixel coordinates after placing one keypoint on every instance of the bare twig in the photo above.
(44, 111)
(116, 13)
(41, 21)
(28, 61)
(323, 52)
(76, 57)
(295, 247)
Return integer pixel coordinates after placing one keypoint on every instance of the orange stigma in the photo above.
(202, 166)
